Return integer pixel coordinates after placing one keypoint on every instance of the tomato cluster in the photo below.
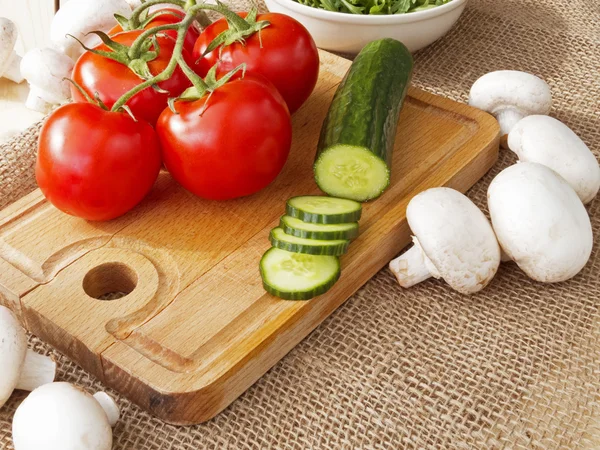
(111, 79)
(227, 141)
(167, 16)
(284, 52)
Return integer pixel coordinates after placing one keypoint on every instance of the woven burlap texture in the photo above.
(516, 366)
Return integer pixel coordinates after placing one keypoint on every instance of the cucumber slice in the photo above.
(351, 172)
(280, 239)
(298, 228)
(321, 209)
(354, 154)
(295, 276)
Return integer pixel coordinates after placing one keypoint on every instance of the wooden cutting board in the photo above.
(197, 328)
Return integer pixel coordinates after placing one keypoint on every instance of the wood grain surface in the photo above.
(197, 328)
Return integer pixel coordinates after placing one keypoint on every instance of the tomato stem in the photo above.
(189, 4)
(239, 29)
(135, 50)
(155, 14)
(201, 16)
(203, 19)
(117, 51)
(199, 85)
(236, 22)
(135, 21)
(165, 74)
(176, 58)
(83, 92)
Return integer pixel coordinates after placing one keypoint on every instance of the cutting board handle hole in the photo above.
(110, 281)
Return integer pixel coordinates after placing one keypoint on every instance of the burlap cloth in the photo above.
(516, 366)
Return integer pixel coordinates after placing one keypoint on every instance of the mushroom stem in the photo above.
(504, 256)
(412, 267)
(508, 118)
(35, 102)
(37, 370)
(109, 406)
(13, 72)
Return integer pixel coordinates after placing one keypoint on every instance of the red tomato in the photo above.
(111, 79)
(168, 19)
(230, 144)
(284, 53)
(96, 164)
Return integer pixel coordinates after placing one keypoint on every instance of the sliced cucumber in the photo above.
(351, 172)
(321, 209)
(295, 244)
(296, 276)
(298, 228)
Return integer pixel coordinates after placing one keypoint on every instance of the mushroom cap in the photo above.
(540, 222)
(13, 348)
(456, 237)
(8, 39)
(59, 416)
(547, 141)
(46, 68)
(79, 17)
(504, 89)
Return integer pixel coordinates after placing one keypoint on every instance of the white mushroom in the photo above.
(46, 69)
(134, 3)
(510, 95)
(60, 416)
(547, 141)
(540, 222)
(111, 409)
(452, 240)
(20, 368)
(79, 17)
(9, 60)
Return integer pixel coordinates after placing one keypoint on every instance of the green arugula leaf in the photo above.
(374, 7)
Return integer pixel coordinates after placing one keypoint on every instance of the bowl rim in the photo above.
(335, 16)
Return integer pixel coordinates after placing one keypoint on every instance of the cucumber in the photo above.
(280, 239)
(295, 276)
(354, 155)
(320, 209)
(297, 227)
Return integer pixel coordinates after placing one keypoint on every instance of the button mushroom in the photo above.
(452, 240)
(20, 368)
(510, 95)
(79, 17)
(9, 60)
(547, 141)
(134, 3)
(45, 70)
(60, 416)
(540, 222)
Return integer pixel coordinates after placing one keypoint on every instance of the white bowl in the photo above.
(349, 33)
